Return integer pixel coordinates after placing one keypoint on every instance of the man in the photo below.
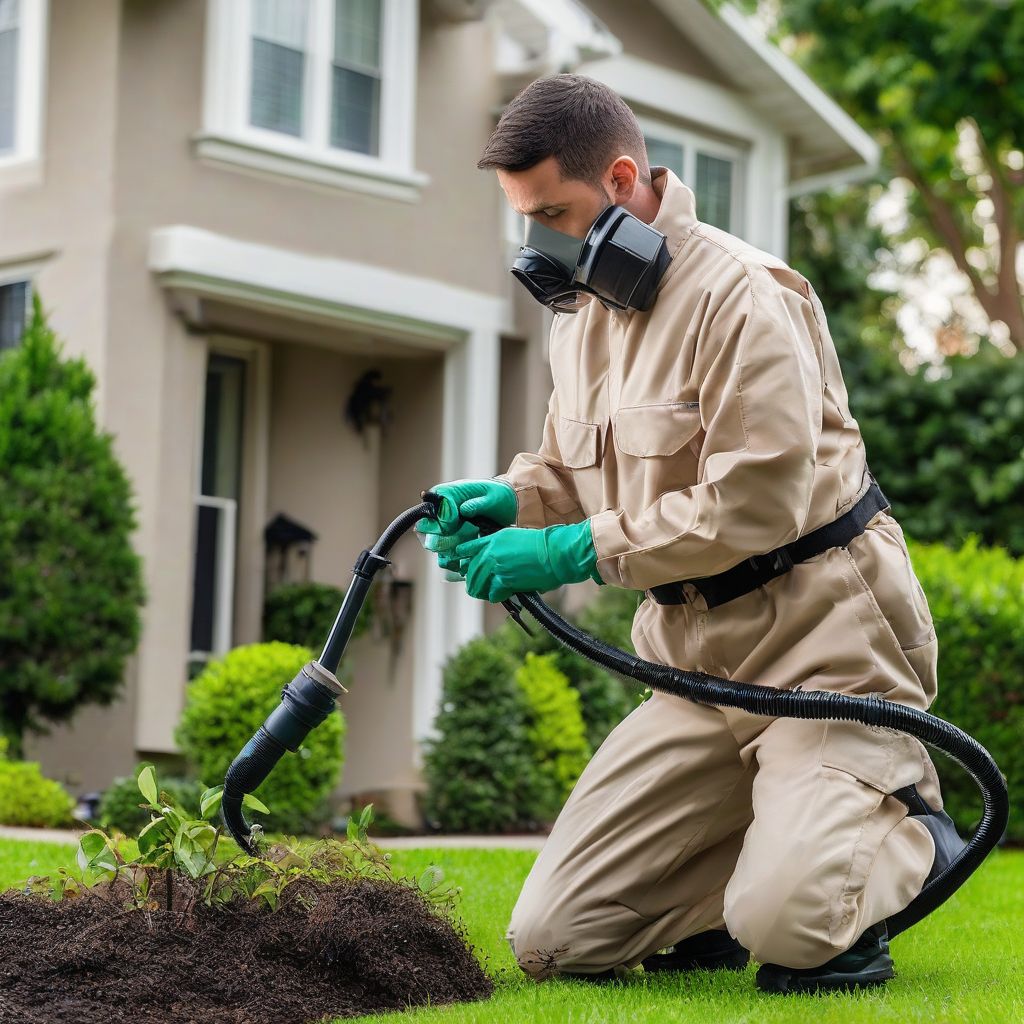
(699, 420)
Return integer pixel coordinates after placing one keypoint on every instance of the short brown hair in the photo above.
(576, 119)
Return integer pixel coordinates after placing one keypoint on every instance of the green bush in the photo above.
(605, 697)
(976, 595)
(27, 798)
(229, 701)
(555, 729)
(71, 581)
(303, 613)
(480, 769)
(119, 805)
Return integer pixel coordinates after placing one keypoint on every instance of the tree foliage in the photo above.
(938, 86)
(70, 581)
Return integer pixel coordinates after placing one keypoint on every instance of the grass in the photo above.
(963, 964)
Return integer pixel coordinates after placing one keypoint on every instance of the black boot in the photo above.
(709, 951)
(865, 964)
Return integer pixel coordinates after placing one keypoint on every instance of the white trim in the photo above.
(24, 270)
(227, 138)
(803, 85)
(23, 164)
(831, 179)
(343, 171)
(340, 291)
(695, 142)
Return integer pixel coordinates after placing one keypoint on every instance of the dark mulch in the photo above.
(358, 947)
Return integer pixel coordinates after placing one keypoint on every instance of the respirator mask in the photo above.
(621, 261)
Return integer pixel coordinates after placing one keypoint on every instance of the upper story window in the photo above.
(316, 89)
(22, 24)
(15, 304)
(712, 169)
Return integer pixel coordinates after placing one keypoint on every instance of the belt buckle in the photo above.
(774, 563)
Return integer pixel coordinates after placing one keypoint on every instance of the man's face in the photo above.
(566, 205)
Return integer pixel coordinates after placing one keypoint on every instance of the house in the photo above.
(249, 214)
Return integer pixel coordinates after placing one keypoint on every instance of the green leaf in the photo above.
(431, 878)
(366, 817)
(257, 805)
(152, 835)
(210, 801)
(147, 785)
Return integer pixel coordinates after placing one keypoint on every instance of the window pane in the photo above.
(14, 306)
(357, 33)
(278, 64)
(281, 21)
(354, 107)
(714, 190)
(661, 153)
(8, 71)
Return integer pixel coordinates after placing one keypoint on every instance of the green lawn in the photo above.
(964, 964)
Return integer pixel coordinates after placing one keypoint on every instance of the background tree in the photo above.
(938, 85)
(70, 581)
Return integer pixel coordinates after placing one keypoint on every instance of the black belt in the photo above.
(753, 572)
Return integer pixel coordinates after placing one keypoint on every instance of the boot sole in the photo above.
(784, 981)
(736, 961)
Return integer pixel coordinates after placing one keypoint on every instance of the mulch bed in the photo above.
(359, 946)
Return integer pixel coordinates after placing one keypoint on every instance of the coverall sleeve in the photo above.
(760, 401)
(544, 487)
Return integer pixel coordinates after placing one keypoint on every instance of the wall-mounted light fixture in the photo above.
(289, 547)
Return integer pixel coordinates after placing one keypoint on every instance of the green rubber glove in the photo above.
(462, 499)
(516, 559)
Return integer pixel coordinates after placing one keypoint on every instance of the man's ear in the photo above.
(623, 176)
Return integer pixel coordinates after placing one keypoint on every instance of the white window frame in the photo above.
(691, 142)
(23, 163)
(227, 137)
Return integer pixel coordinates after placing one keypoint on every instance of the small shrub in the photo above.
(976, 596)
(605, 697)
(555, 729)
(303, 613)
(230, 700)
(120, 804)
(480, 769)
(28, 798)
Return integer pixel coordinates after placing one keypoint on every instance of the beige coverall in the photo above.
(711, 428)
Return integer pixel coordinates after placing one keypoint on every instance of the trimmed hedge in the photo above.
(976, 596)
(28, 798)
(555, 729)
(605, 698)
(229, 700)
(480, 769)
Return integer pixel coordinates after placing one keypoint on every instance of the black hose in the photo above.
(262, 752)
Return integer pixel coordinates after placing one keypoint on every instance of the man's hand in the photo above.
(516, 559)
(463, 499)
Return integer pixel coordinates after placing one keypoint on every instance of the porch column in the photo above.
(447, 616)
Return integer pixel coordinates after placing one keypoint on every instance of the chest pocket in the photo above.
(579, 442)
(644, 430)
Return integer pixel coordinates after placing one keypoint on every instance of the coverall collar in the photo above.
(678, 211)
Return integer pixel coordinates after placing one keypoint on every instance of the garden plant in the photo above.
(188, 928)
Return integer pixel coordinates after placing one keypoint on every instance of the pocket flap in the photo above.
(881, 758)
(578, 442)
(656, 429)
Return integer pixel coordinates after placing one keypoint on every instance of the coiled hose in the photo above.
(309, 698)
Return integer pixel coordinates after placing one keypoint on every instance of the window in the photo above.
(711, 169)
(213, 579)
(15, 306)
(320, 89)
(21, 77)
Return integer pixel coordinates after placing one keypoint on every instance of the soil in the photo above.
(350, 948)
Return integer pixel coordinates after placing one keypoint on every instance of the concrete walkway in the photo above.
(522, 842)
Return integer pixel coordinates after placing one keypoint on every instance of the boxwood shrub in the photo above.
(229, 701)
